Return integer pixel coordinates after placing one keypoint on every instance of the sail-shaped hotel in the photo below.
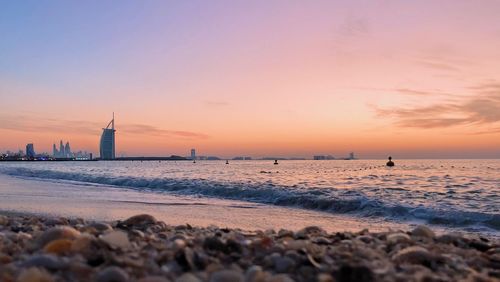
(107, 144)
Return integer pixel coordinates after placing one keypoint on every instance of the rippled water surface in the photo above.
(463, 193)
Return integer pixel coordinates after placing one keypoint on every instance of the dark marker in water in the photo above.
(275, 162)
(390, 162)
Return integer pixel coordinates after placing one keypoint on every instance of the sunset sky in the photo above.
(412, 79)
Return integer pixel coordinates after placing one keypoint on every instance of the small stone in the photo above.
(187, 277)
(451, 238)
(321, 241)
(396, 238)
(56, 221)
(213, 244)
(325, 277)
(34, 274)
(358, 273)
(423, 231)
(4, 220)
(82, 243)
(254, 274)
(480, 246)
(100, 226)
(280, 278)
(116, 239)
(413, 255)
(4, 259)
(58, 247)
(139, 221)
(112, 274)
(47, 261)
(305, 233)
(285, 233)
(154, 279)
(226, 276)
(56, 233)
(283, 264)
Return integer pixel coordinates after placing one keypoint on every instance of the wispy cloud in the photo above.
(481, 109)
(155, 131)
(212, 103)
(439, 65)
(25, 123)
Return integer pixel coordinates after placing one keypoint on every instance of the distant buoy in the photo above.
(194, 161)
(227, 161)
(275, 162)
(390, 162)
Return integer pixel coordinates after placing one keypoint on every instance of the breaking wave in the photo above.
(343, 201)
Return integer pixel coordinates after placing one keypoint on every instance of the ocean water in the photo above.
(459, 194)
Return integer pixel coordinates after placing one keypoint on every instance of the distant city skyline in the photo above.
(258, 78)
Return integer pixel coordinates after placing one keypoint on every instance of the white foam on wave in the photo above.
(342, 201)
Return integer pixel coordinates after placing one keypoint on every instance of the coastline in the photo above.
(105, 203)
(141, 248)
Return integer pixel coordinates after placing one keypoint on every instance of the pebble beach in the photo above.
(141, 248)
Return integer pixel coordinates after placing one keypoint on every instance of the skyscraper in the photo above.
(107, 144)
(67, 150)
(61, 149)
(193, 154)
(30, 151)
(55, 152)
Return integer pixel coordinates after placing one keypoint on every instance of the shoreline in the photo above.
(141, 248)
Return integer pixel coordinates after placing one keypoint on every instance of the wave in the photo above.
(341, 201)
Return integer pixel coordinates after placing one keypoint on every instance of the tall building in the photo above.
(107, 144)
(62, 154)
(67, 151)
(55, 152)
(30, 151)
(193, 154)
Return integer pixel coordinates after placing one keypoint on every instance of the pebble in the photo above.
(254, 273)
(280, 278)
(34, 274)
(4, 220)
(306, 232)
(58, 247)
(154, 279)
(397, 238)
(116, 239)
(226, 276)
(100, 226)
(358, 273)
(47, 261)
(413, 255)
(139, 221)
(150, 251)
(112, 274)
(187, 277)
(56, 233)
(423, 231)
(283, 264)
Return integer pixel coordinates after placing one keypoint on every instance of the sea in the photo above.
(451, 195)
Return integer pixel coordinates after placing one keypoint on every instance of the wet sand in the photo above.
(105, 203)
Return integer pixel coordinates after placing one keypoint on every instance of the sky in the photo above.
(411, 79)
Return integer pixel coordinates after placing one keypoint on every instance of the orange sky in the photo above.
(265, 78)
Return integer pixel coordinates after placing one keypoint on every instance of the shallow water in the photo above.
(462, 194)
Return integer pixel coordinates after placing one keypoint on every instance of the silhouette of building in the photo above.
(67, 151)
(107, 144)
(193, 154)
(61, 149)
(351, 156)
(55, 152)
(30, 151)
